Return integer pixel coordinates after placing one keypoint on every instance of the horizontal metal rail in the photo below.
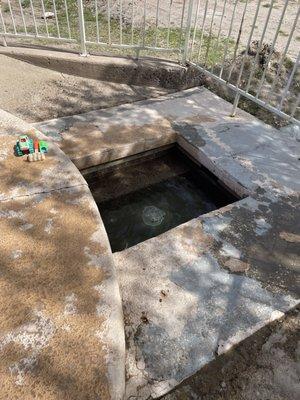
(248, 96)
(33, 36)
(134, 47)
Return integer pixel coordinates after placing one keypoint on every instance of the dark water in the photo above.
(153, 209)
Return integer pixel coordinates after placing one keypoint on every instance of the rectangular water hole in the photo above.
(144, 196)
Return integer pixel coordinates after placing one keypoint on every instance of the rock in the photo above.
(236, 265)
(290, 237)
(48, 15)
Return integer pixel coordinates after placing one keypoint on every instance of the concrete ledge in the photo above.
(61, 320)
(115, 69)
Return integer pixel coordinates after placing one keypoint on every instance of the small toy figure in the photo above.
(43, 146)
(35, 150)
(24, 146)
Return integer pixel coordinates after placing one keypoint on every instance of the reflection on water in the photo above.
(158, 204)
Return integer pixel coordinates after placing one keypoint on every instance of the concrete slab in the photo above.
(60, 327)
(29, 178)
(205, 286)
(87, 145)
(106, 135)
(61, 322)
(243, 164)
(196, 105)
(204, 311)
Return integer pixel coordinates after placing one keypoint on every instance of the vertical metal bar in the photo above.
(259, 47)
(33, 16)
(45, 19)
(120, 21)
(23, 18)
(237, 96)
(195, 28)
(210, 33)
(12, 17)
(81, 28)
(202, 30)
(4, 29)
(188, 31)
(247, 47)
(4, 41)
(227, 41)
(181, 24)
(156, 23)
(286, 89)
(169, 23)
(132, 22)
(271, 50)
(97, 21)
(238, 40)
(108, 22)
(284, 54)
(67, 17)
(56, 19)
(235, 104)
(216, 47)
(144, 23)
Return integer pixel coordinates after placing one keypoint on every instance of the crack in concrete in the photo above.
(42, 192)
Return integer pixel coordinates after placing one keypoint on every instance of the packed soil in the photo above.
(264, 71)
(171, 10)
(265, 366)
(37, 94)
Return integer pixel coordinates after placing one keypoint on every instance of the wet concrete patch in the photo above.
(189, 132)
(205, 307)
(260, 236)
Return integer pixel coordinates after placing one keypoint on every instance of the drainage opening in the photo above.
(144, 196)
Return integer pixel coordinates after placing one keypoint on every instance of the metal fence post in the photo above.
(187, 32)
(83, 51)
(235, 104)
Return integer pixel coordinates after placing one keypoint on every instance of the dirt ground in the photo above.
(38, 94)
(266, 366)
(176, 7)
(162, 12)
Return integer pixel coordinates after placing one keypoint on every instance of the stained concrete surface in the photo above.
(203, 287)
(61, 327)
(206, 285)
(265, 366)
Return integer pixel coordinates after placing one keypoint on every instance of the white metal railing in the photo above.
(234, 42)
(271, 79)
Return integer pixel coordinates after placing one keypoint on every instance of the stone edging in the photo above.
(58, 176)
